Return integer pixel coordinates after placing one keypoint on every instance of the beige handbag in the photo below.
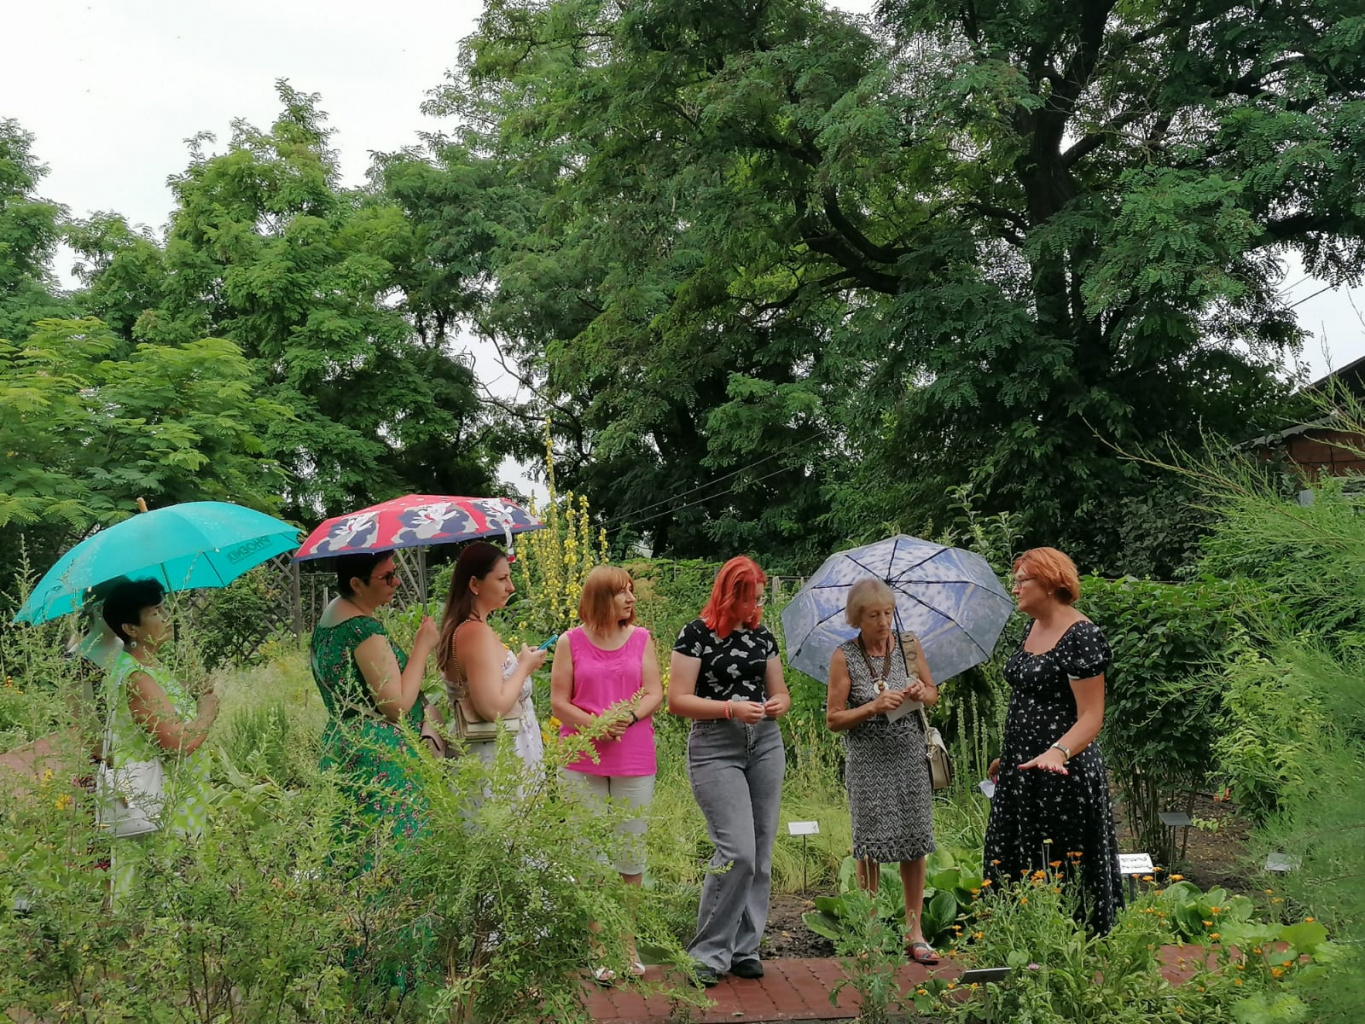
(469, 725)
(940, 767)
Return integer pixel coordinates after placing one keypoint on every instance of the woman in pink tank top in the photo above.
(607, 673)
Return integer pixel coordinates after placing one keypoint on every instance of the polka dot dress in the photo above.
(1041, 821)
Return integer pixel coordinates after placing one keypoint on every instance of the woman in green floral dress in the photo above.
(369, 686)
(152, 717)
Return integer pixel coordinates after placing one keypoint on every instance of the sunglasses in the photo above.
(390, 579)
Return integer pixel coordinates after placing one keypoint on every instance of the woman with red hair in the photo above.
(1051, 811)
(726, 676)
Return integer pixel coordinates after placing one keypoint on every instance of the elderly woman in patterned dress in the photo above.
(1051, 810)
(871, 681)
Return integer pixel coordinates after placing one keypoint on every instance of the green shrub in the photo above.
(1162, 693)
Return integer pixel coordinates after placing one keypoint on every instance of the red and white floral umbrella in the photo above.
(417, 520)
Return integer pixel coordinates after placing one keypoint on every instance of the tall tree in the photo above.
(30, 228)
(85, 432)
(268, 250)
(969, 243)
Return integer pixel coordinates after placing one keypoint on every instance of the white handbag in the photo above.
(128, 799)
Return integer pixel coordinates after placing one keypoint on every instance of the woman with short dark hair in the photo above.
(370, 686)
(1051, 811)
(153, 717)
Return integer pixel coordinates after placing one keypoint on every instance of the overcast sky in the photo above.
(112, 88)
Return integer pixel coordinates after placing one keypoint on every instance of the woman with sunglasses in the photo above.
(369, 687)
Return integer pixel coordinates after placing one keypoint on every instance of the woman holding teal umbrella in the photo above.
(152, 718)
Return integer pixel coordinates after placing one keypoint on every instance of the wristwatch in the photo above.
(1065, 752)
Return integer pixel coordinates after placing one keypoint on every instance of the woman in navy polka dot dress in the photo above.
(1051, 811)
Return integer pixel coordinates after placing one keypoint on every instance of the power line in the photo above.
(710, 483)
(699, 501)
(1324, 288)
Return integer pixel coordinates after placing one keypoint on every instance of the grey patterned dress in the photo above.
(885, 769)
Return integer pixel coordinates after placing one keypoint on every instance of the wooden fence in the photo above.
(295, 594)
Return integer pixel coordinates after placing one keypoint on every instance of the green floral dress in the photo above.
(185, 810)
(367, 751)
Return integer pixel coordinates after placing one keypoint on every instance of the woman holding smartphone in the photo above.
(473, 659)
(726, 676)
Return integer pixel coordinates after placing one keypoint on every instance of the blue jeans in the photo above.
(736, 773)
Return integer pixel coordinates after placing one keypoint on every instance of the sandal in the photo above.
(638, 969)
(604, 976)
(922, 953)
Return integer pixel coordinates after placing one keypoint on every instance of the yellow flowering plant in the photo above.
(553, 563)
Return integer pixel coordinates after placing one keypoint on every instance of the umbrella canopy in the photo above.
(193, 544)
(417, 520)
(947, 597)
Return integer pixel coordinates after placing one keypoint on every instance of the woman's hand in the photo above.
(428, 635)
(923, 692)
(777, 705)
(993, 771)
(750, 712)
(887, 700)
(530, 658)
(1050, 760)
(618, 723)
(208, 707)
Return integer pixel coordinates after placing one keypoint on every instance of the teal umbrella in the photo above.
(194, 544)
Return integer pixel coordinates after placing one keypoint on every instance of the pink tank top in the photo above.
(601, 679)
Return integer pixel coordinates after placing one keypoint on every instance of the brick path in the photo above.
(795, 990)
(22, 766)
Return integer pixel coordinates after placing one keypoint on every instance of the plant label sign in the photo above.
(1282, 862)
(1175, 819)
(803, 828)
(1135, 864)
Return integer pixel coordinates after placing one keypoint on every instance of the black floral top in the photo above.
(733, 667)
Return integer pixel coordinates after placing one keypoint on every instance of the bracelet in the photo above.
(729, 709)
(634, 718)
(1057, 746)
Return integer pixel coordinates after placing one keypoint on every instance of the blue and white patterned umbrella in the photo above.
(947, 597)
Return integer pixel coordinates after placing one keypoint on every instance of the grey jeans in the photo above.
(736, 773)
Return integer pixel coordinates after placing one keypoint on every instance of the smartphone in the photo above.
(548, 643)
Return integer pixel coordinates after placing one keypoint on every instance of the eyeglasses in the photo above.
(1019, 581)
(762, 599)
(390, 579)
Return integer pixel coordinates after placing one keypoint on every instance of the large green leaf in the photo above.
(822, 924)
